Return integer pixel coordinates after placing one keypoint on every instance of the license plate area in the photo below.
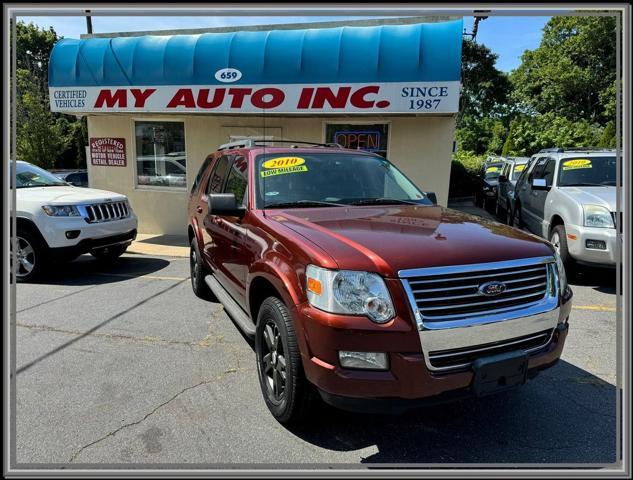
(499, 372)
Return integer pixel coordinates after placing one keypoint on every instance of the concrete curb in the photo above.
(141, 247)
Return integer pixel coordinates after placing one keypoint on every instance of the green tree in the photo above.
(572, 72)
(43, 138)
(485, 89)
(529, 134)
(40, 136)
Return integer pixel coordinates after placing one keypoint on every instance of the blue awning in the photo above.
(428, 52)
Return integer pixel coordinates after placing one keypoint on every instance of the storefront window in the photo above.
(368, 137)
(160, 154)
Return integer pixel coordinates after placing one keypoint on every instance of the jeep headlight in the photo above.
(562, 276)
(597, 216)
(349, 292)
(61, 210)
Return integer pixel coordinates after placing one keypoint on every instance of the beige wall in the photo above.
(419, 146)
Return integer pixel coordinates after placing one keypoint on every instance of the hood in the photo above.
(604, 196)
(387, 239)
(66, 195)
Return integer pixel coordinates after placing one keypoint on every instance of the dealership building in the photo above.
(158, 103)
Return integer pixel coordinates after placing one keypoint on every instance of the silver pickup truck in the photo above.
(569, 197)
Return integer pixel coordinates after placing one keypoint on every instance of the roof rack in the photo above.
(251, 142)
(579, 149)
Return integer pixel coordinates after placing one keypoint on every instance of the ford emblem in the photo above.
(491, 289)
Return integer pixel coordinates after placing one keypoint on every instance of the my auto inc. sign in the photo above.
(406, 97)
(109, 152)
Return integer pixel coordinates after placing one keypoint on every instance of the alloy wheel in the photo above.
(25, 256)
(274, 361)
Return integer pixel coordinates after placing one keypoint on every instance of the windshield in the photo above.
(28, 175)
(516, 173)
(331, 179)
(493, 171)
(587, 172)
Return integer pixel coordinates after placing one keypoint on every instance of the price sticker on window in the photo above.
(577, 164)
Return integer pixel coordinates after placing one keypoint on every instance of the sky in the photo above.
(507, 36)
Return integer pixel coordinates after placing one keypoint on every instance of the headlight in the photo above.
(597, 216)
(349, 292)
(61, 210)
(562, 276)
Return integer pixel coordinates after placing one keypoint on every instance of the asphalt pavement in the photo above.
(121, 364)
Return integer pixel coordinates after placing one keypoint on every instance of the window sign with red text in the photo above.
(109, 152)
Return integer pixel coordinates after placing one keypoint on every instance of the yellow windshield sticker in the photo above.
(283, 171)
(492, 169)
(519, 168)
(284, 162)
(577, 163)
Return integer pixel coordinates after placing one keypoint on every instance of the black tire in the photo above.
(508, 215)
(517, 220)
(197, 272)
(109, 253)
(287, 393)
(558, 238)
(31, 256)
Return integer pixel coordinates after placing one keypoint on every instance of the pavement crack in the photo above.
(118, 336)
(132, 424)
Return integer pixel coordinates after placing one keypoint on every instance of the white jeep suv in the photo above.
(56, 221)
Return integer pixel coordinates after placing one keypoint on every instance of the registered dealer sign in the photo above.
(108, 152)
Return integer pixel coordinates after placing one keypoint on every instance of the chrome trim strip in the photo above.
(489, 347)
(474, 267)
(492, 274)
(471, 295)
(485, 302)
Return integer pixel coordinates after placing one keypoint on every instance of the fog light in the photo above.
(596, 244)
(363, 360)
(70, 234)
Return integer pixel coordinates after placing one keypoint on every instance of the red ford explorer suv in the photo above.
(359, 290)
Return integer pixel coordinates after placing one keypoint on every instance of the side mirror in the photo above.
(224, 204)
(431, 196)
(502, 178)
(539, 184)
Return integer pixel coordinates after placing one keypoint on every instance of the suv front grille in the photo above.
(106, 212)
(457, 295)
(463, 357)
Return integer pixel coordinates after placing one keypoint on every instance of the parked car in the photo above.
(507, 180)
(359, 290)
(58, 222)
(167, 170)
(486, 193)
(569, 197)
(78, 178)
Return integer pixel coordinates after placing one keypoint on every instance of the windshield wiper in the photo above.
(383, 201)
(304, 203)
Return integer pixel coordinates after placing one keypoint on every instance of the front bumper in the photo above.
(578, 249)
(88, 244)
(408, 382)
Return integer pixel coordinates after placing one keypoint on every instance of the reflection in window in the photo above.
(160, 154)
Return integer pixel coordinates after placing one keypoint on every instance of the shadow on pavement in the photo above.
(601, 279)
(86, 270)
(564, 415)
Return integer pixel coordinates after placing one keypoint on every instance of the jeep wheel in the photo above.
(29, 255)
(287, 392)
(197, 273)
(109, 253)
(558, 238)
